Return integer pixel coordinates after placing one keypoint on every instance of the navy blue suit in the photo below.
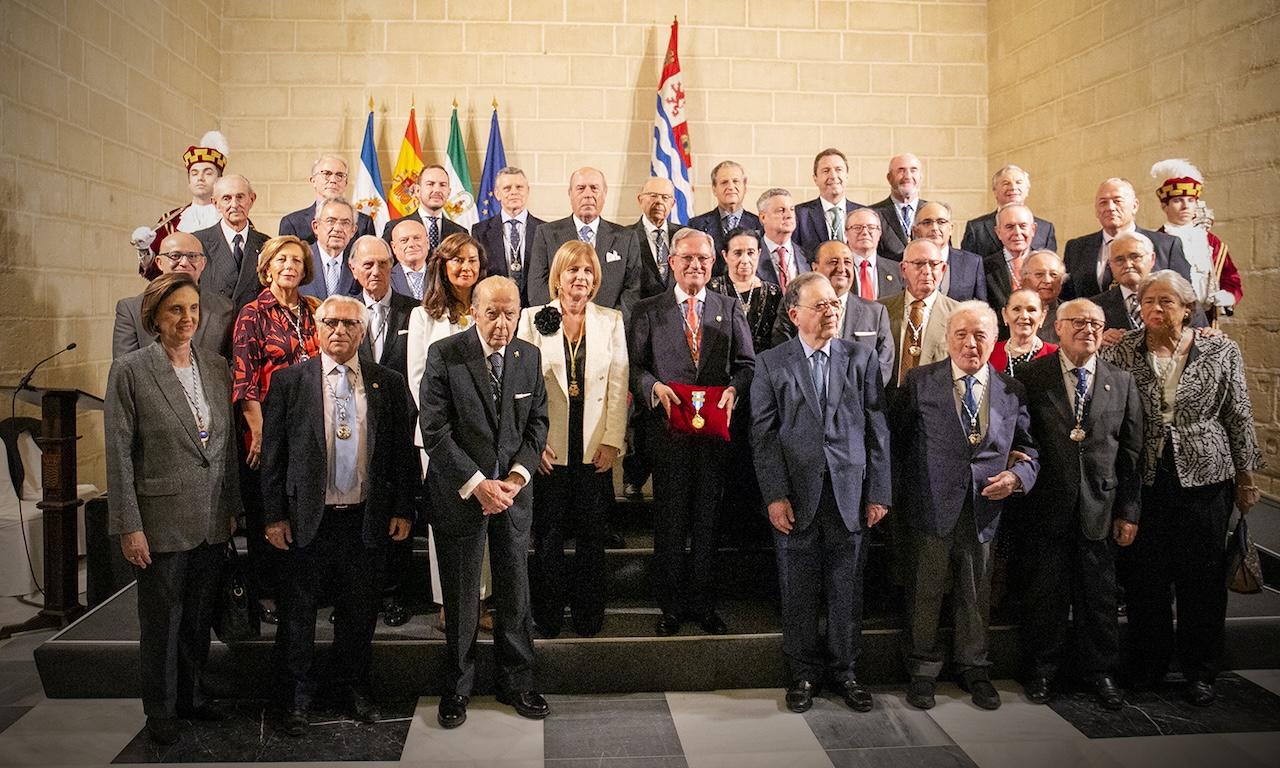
(347, 285)
(967, 277)
(980, 235)
(828, 483)
(812, 227)
(447, 227)
(766, 271)
(489, 233)
(893, 240)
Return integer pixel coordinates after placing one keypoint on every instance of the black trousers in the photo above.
(688, 480)
(825, 559)
(571, 502)
(460, 561)
(1179, 553)
(176, 596)
(636, 462)
(1065, 575)
(336, 562)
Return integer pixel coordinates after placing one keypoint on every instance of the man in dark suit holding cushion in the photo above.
(688, 335)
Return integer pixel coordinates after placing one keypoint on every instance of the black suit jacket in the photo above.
(651, 283)
(980, 235)
(812, 229)
(395, 348)
(999, 285)
(893, 241)
(447, 227)
(464, 432)
(295, 455)
(709, 222)
(489, 233)
(221, 275)
(1083, 484)
(967, 278)
(1081, 260)
(298, 224)
(622, 279)
(1116, 316)
(659, 351)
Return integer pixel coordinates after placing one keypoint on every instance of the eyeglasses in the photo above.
(823, 307)
(926, 223)
(922, 264)
(332, 323)
(1081, 323)
(858, 229)
(330, 222)
(177, 257)
(661, 196)
(704, 260)
(1128, 258)
(338, 175)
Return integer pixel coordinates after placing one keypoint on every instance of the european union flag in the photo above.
(495, 159)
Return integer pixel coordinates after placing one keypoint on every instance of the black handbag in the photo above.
(235, 617)
(1244, 571)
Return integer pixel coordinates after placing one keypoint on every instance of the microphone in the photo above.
(26, 379)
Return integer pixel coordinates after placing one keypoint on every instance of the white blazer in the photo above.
(424, 330)
(604, 393)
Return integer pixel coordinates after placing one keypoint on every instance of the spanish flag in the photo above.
(405, 176)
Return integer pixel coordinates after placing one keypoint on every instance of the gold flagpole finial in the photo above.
(370, 103)
(455, 102)
(495, 102)
(412, 103)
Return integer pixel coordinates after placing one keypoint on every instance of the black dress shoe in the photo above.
(1109, 694)
(205, 711)
(360, 708)
(1201, 693)
(394, 614)
(163, 730)
(712, 624)
(527, 704)
(295, 721)
(614, 541)
(452, 711)
(920, 692)
(668, 625)
(855, 695)
(588, 627)
(549, 631)
(1037, 690)
(981, 691)
(633, 492)
(800, 696)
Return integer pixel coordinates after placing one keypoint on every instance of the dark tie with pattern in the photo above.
(1131, 307)
(495, 375)
(237, 249)
(433, 232)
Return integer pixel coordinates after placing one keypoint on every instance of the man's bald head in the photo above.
(181, 252)
(656, 199)
(409, 244)
(495, 305)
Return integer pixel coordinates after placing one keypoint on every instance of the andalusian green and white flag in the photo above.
(462, 202)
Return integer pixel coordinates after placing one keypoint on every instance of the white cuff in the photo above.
(519, 469)
(470, 486)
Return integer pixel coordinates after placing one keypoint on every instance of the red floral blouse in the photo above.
(266, 339)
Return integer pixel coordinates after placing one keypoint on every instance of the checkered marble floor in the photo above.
(737, 728)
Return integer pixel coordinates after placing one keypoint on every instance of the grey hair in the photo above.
(1144, 243)
(1046, 253)
(1007, 170)
(684, 233)
(511, 170)
(386, 247)
(233, 177)
(1008, 206)
(335, 200)
(322, 311)
(796, 284)
(322, 158)
(973, 307)
(769, 193)
(726, 164)
(945, 206)
(1066, 306)
(1179, 284)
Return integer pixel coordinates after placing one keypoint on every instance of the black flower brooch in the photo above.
(547, 320)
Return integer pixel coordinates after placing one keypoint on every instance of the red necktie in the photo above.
(691, 328)
(781, 253)
(865, 289)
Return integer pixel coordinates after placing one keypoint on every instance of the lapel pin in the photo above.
(1107, 387)
(717, 318)
(375, 385)
(889, 278)
(516, 352)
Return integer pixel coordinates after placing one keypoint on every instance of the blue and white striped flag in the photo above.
(672, 156)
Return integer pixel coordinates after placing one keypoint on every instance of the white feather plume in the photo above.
(1175, 168)
(215, 140)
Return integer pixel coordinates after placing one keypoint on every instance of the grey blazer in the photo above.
(618, 250)
(1212, 430)
(162, 481)
(213, 334)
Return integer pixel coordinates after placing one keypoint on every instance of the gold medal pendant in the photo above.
(974, 438)
(343, 432)
(913, 350)
(573, 389)
(1078, 434)
(698, 399)
(697, 421)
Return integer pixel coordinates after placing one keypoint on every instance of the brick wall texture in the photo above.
(98, 100)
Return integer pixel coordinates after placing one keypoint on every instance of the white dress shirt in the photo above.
(1069, 377)
(379, 314)
(907, 298)
(522, 228)
(578, 224)
(979, 392)
(771, 249)
(359, 427)
(229, 235)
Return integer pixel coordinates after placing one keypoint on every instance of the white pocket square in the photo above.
(522, 395)
(613, 256)
(864, 333)
(402, 333)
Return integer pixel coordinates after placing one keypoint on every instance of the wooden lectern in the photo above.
(59, 503)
